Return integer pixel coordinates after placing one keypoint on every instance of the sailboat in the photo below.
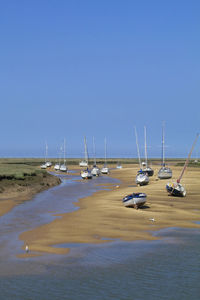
(147, 169)
(63, 167)
(84, 162)
(105, 169)
(86, 174)
(46, 163)
(164, 172)
(95, 170)
(176, 188)
(141, 178)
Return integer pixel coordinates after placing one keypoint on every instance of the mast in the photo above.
(64, 152)
(46, 151)
(86, 151)
(94, 152)
(187, 161)
(138, 151)
(105, 149)
(163, 146)
(145, 144)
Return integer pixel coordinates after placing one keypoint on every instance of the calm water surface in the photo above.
(168, 268)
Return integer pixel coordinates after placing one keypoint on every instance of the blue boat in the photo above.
(135, 200)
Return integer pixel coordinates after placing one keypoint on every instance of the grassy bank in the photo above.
(19, 176)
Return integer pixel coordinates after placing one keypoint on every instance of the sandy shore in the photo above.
(103, 215)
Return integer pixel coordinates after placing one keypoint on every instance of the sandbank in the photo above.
(102, 215)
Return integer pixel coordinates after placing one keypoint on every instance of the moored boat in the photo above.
(105, 169)
(149, 171)
(86, 174)
(135, 200)
(176, 188)
(164, 172)
(142, 177)
(95, 170)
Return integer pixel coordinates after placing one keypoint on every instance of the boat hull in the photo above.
(142, 179)
(165, 173)
(86, 175)
(175, 189)
(95, 171)
(134, 200)
(83, 164)
(149, 171)
(105, 170)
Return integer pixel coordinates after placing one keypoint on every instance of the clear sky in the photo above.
(99, 68)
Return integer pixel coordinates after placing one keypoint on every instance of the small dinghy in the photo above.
(86, 174)
(176, 188)
(135, 200)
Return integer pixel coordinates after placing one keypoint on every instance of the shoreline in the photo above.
(102, 215)
(17, 192)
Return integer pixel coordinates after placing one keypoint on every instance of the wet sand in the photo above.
(102, 216)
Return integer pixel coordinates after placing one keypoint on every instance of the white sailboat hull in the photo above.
(142, 179)
(95, 171)
(63, 168)
(165, 173)
(86, 175)
(83, 164)
(105, 170)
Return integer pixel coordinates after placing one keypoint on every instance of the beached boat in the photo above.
(86, 174)
(135, 200)
(142, 177)
(63, 167)
(164, 172)
(176, 188)
(84, 162)
(119, 166)
(47, 163)
(95, 170)
(149, 171)
(105, 169)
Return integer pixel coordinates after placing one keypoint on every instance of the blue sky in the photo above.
(99, 68)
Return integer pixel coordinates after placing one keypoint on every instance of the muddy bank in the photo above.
(15, 191)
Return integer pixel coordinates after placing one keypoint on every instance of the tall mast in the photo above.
(105, 149)
(145, 144)
(86, 151)
(163, 146)
(94, 152)
(187, 161)
(64, 151)
(46, 151)
(138, 151)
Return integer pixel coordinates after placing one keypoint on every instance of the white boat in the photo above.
(95, 170)
(135, 200)
(142, 177)
(43, 166)
(47, 163)
(86, 174)
(84, 162)
(57, 167)
(63, 167)
(149, 171)
(176, 188)
(105, 169)
(164, 172)
(119, 166)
